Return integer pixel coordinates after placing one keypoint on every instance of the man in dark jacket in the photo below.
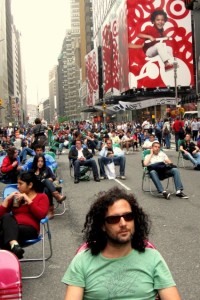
(82, 157)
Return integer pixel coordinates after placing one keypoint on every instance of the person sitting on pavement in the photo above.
(190, 151)
(116, 263)
(45, 178)
(157, 156)
(110, 154)
(10, 167)
(148, 142)
(81, 156)
(20, 214)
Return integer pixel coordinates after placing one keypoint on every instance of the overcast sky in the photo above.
(42, 24)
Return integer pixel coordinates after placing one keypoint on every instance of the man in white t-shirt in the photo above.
(156, 156)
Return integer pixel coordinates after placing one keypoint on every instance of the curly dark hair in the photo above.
(156, 13)
(96, 238)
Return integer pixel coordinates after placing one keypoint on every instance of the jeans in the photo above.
(167, 140)
(26, 151)
(49, 188)
(118, 160)
(194, 158)
(174, 172)
(88, 162)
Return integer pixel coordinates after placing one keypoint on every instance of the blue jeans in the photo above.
(174, 172)
(194, 158)
(167, 138)
(118, 160)
(24, 153)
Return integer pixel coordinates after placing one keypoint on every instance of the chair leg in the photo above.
(63, 210)
(45, 230)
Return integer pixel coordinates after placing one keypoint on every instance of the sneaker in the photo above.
(127, 152)
(166, 195)
(122, 177)
(18, 251)
(181, 195)
(97, 179)
(102, 177)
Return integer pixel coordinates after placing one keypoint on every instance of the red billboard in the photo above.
(160, 43)
(92, 77)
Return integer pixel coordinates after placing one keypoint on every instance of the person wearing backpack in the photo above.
(166, 133)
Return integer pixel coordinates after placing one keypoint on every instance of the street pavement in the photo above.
(175, 228)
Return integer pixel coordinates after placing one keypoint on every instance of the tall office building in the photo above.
(69, 69)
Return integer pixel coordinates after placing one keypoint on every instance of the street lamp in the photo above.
(175, 80)
(104, 106)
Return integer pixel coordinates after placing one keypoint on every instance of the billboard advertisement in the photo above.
(115, 51)
(160, 44)
(92, 77)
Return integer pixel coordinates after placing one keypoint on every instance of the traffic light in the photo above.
(104, 105)
(1, 102)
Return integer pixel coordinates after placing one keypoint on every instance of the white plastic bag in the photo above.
(110, 170)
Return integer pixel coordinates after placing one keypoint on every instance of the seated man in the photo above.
(127, 141)
(148, 142)
(82, 157)
(110, 154)
(190, 151)
(157, 156)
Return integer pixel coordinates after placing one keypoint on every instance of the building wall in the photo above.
(3, 66)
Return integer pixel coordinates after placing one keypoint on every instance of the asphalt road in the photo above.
(175, 229)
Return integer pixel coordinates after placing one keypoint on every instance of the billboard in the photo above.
(115, 57)
(92, 77)
(160, 44)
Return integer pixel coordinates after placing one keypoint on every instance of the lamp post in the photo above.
(104, 106)
(175, 80)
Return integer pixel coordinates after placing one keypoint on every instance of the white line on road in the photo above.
(126, 187)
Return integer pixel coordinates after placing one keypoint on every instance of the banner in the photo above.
(143, 104)
(92, 77)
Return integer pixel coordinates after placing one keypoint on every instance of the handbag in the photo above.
(110, 170)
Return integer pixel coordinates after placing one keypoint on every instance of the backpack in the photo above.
(166, 131)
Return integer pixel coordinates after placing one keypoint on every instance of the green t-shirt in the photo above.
(136, 276)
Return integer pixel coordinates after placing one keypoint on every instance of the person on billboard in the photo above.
(154, 37)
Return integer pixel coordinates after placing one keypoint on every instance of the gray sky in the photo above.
(42, 24)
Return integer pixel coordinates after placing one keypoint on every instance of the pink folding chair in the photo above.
(10, 276)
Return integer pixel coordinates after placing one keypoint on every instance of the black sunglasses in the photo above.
(116, 219)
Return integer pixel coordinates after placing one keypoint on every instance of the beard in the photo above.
(116, 240)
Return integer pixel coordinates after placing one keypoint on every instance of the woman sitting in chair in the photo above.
(45, 176)
(10, 165)
(20, 214)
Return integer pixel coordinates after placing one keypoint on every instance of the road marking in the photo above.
(126, 187)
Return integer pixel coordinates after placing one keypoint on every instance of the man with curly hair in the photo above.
(116, 263)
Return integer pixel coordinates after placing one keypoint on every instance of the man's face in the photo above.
(159, 21)
(187, 137)
(156, 148)
(39, 151)
(78, 144)
(122, 231)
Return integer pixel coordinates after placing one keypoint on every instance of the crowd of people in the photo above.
(116, 228)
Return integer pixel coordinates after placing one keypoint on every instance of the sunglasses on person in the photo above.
(116, 219)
